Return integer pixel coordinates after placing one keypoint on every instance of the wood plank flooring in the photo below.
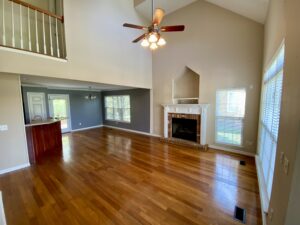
(107, 176)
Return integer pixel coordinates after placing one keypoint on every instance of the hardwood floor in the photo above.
(108, 176)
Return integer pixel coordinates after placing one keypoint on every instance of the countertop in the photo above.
(42, 122)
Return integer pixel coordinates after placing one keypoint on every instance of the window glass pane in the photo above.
(230, 111)
(109, 113)
(118, 108)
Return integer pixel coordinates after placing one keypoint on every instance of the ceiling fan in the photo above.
(152, 37)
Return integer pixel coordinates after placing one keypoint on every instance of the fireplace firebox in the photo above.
(184, 129)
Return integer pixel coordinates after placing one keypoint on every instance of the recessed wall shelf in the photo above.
(185, 87)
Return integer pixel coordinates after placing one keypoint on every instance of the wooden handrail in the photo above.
(61, 18)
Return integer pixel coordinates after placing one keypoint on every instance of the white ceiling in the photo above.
(54, 83)
(252, 9)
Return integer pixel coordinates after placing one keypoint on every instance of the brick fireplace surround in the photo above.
(187, 111)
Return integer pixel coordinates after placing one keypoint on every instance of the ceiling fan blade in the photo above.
(139, 38)
(172, 28)
(134, 26)
(158, 16)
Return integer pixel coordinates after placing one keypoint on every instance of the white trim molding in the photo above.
(2, 213)
(12, 169)
(263, 193)
(232, 150)
(86, 128)
(132, 131)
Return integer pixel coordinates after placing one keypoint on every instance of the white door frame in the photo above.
(29, 103)
(67, 97)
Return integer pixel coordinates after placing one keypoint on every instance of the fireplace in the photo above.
(184, 129)
(186, 122)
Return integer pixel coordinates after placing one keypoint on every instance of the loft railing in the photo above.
(30, 28)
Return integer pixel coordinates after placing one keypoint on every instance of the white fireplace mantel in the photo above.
(198, 109)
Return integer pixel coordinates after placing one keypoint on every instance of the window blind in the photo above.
(270, 117)
(230, 112)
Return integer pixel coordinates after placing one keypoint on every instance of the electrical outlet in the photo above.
(3, 127)
(282, 157)
(286, 165)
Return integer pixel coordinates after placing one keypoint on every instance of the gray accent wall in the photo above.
(86, 112)
(140, 109)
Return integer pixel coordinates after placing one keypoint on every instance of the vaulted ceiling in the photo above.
(252, 9)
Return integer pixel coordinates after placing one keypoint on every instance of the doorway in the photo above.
(59, 108)
(36, 106)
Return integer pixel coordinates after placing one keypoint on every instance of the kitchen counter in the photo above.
(43, 122)
(44, 138)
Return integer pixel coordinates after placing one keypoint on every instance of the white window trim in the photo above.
(262, 182)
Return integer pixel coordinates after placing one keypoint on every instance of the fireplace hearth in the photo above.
(184, 129)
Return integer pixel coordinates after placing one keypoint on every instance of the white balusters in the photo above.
(62, 39)
(40, 40)
(44, 35)
(3, 23)
(57, 42)
(13, 25)
(21, 28)
(36, 33)
(29, 30)
(51, 44)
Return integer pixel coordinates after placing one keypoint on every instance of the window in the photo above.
(269, 118)
(117, 108)
(230, 112)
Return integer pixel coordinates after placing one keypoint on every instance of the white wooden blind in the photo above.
(269, 118)
(230, 112)
(117, 108)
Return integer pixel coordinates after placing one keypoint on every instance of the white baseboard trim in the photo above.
(86, 128)
(132, 131)
(231, 150)
(11, 169)
(2, 214)
(264, 199)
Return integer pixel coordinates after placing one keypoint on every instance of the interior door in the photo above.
(36, 106)
(59, 107)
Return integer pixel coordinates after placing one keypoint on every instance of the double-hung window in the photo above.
(117, 108)
(269, 118)
(230, 112)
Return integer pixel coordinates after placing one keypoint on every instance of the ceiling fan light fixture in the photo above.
(153, 38)
(153, 46)
(145, 43)
(161, 42)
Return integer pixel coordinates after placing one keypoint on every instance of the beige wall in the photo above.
(99, 49)
(13, 150)
(224, 48)
(283, 22)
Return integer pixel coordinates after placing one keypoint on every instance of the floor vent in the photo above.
(240, 214)
(243, 163)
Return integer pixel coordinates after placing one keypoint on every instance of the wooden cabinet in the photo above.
(43, 140)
